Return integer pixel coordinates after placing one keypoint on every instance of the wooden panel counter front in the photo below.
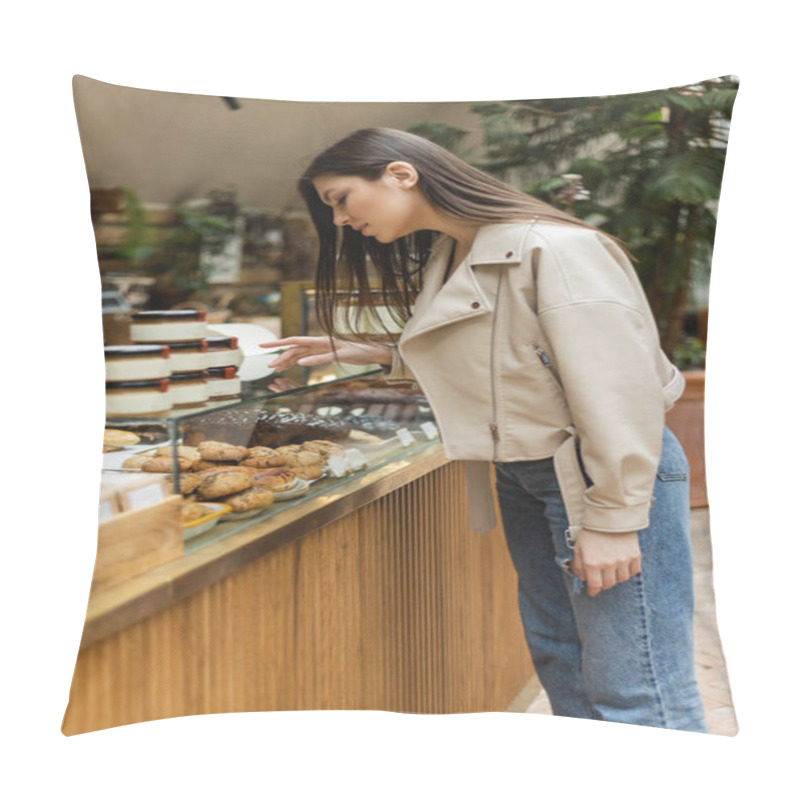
(380, 598)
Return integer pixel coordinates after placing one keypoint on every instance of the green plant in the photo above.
(689, 353)
(137, 246)
(652, 163)
(178, 260)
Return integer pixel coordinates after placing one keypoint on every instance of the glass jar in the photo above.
(137, 362)
(223, 351)
(188, 389)
(188, 356)
(138, 398)
(178, 325)
(224, 383)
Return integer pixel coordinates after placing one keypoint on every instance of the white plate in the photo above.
(298, 489)
(256, 360)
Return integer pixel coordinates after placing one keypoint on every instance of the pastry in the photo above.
(224, 483)
(263, 457)
(189, 481)
(148, 433)
(193, 511)
(114, 438)
(308, 473)
(323, 447)
(363, 436)
(221, 451)
(301, 458)
(135, 462)
(255, 497)
(277, 478)
(192, 453)
(164, 464)
(260, 427)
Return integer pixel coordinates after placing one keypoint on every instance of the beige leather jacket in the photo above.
(540, 342)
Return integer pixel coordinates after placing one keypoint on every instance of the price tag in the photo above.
(406, 437)
(355, 458)
(145, 496)
(430, 430)
(338, 465)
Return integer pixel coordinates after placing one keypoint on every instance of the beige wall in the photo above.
(170, 147)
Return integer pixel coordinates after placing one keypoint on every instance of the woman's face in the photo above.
(386, 208)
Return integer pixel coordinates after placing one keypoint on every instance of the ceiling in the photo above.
(170, 147)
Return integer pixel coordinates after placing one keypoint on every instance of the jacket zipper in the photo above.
(494, 428)
(545, 359)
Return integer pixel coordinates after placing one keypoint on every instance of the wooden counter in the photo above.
(378, 597)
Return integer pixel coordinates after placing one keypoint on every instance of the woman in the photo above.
(531, 337)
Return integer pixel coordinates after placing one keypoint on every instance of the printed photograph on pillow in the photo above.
(305, 537)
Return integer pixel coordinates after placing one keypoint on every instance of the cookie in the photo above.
(164, 464)
(303, 458)
(276, 478)
(309, 473)
(192, 453)
(193, 511)
(263, 457)
(116, 438)
(221, 451)
(255, 497)
(135, 462)
(323, 447)
(189, 481)
(221, 484)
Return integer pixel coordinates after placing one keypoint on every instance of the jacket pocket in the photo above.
(546, 362)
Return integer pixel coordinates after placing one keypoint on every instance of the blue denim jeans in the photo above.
(625, 655)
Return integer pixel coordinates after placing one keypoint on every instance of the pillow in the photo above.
(378, 600)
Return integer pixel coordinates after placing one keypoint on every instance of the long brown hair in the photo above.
(448, 183)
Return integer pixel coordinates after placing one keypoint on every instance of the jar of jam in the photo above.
(178, 325)
(137, 362)
(223, 351)
(188, 389)
(138, 398)
(224, 383)
(188, 356)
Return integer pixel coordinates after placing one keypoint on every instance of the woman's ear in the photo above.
(403, 173)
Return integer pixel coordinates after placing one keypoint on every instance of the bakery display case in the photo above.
(239, 461)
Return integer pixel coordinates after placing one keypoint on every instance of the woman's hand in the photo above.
(603, 560)
(309, 351)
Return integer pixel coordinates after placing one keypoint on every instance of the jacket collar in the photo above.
(462, 297)
(499, 243)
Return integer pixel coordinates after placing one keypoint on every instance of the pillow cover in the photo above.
(376, 598)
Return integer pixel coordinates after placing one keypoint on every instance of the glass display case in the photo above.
(281, 442)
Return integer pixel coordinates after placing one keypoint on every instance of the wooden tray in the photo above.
(135, 541)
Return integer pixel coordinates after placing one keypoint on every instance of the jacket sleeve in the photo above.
(605, 350)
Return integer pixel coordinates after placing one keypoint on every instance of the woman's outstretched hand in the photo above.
(603, 560)
(309, 351)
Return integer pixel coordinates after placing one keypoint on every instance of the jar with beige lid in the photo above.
(188, 356)
(224, 351)
(224, 383)
(137, 362)
(144, 398)
(178, 325)
(188, 389)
